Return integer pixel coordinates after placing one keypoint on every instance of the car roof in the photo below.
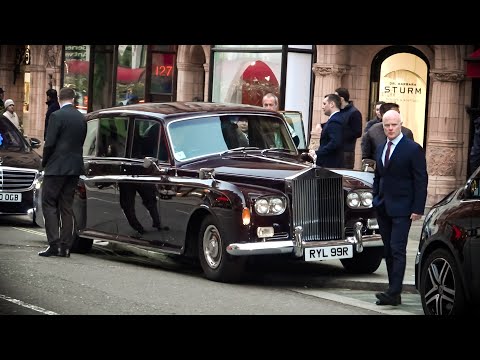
(182, 108)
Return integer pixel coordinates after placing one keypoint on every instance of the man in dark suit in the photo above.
(63, 164)
(352, 126)
(399, 195)
(330, 151)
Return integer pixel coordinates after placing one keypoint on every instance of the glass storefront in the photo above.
(76, 68)
(144, 73)
(243, 74)
(131, 68)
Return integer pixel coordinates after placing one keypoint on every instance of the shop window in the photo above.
(162, 75)
(130, 86)
(76, 73)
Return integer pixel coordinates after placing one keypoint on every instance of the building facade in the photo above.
(430, 82)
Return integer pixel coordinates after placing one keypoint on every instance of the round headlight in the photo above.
(277, 205)
(367, 198)
(353, 200)
(261, 206)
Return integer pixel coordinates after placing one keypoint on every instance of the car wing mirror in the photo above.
(34, 142)
(472, 189)
(369, 165)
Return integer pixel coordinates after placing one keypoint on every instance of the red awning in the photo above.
(124, 74)
(473, 64)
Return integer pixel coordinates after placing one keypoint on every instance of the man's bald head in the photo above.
(392, 124)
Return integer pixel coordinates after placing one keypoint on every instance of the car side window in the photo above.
(112, 137)
(90, 143)
(146, 139)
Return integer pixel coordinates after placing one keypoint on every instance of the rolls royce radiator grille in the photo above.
(13, 179)
(317, 206)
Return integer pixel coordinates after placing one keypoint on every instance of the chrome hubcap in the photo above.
(211, 246)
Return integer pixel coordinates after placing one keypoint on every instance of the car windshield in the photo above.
(191, 138)
(10, 138)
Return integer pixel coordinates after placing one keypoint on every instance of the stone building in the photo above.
(430, 82)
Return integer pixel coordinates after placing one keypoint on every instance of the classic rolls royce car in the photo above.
(220, 183)
(19, 169)
(447, 265)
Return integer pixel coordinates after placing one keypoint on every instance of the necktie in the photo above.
(387, 154)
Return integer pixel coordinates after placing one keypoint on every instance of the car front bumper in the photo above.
(297, 246)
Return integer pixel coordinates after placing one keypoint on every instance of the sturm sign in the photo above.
(402, 88)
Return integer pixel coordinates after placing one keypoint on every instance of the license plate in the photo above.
(329, 252)
(10, 197)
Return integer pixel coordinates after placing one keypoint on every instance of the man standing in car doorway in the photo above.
(63, 164)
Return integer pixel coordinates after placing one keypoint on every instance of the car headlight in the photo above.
(359, 199)
(271, 205)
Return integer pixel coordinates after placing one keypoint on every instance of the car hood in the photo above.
(274, 168)
(21, 159)
(251, 165)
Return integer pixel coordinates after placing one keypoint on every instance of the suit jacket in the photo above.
(63, 148)
(330, 152)
(375, 136)
(401, 186)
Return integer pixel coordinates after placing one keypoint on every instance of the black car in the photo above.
(19, 170)
(447, 265)
(173, 178)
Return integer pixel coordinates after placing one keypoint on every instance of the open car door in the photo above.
(294, 119)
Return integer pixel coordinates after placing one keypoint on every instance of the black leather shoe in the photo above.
(385, 299)
(50, 251)
(63, 252)
(382, 295)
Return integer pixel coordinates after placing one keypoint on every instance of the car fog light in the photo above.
(265, 232)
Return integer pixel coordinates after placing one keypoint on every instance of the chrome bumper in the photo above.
(297, 246)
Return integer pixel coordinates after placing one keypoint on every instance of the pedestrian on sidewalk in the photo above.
(352, 126)
(399, 196)
(11, 115)
(53, 105)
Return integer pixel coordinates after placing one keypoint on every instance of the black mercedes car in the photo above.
(19, 170)
(184, 178)
(447, 265)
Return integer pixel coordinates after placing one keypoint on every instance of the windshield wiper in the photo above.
(241, 149)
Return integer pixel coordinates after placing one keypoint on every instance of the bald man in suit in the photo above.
(399, 196)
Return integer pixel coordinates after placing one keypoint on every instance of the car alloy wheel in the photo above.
(441, 289)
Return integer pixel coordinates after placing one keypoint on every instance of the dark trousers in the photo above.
(57, 201)
(348, 159)
(147, 192)
(394, 232)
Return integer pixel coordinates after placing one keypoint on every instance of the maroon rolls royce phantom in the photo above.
(219, 183)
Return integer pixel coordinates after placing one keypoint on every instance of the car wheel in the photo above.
(365, 262)
(216, 263)
(80, 245)
(441, 289)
